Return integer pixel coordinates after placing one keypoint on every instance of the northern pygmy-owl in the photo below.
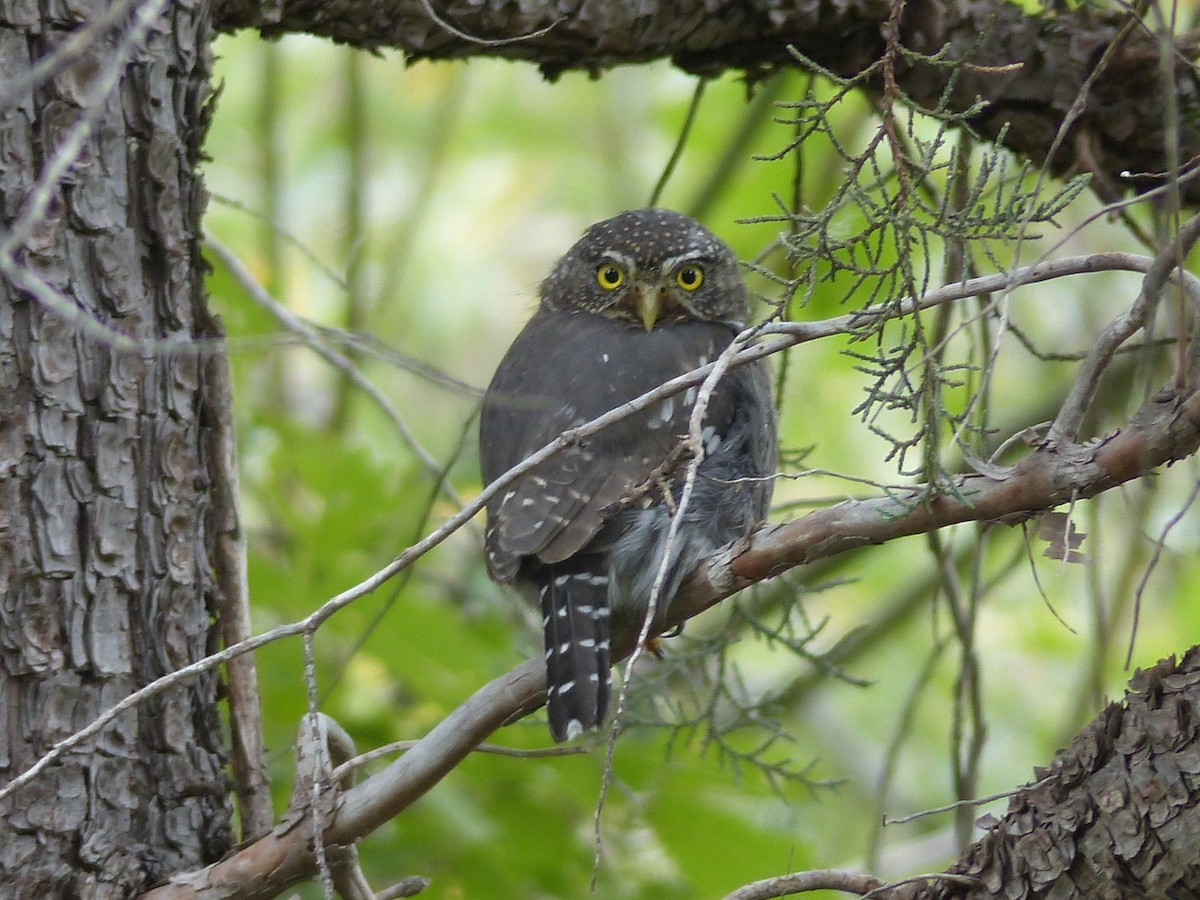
(640, 299)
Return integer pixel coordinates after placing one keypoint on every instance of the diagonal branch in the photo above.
(1165, 429)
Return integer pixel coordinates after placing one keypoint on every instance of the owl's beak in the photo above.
(649, 307)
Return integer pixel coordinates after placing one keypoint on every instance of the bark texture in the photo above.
(1116, 815)
(105, 485)
(1045, 60)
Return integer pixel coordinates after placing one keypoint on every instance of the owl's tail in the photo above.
(575, 617)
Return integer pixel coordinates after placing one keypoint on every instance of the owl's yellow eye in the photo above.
(609, 276)
(689, 277)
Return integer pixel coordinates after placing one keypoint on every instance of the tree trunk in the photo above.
(1115, 815)
(108, 524)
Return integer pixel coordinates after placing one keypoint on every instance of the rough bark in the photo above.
(1116, 814)
(1119, 126)
(106, 580)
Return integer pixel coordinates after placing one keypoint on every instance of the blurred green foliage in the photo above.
(426, 221)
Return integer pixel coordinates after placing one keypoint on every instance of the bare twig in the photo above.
(394, 747)
(799, 882)
(485, 42)
(66, 154)
(245, 708)
(684, 133)
(696, 454)
(71, 49)
(968, 803)
(1070, 417)
(339, 361)
(1161, 541)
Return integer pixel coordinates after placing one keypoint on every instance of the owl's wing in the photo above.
(563, 370)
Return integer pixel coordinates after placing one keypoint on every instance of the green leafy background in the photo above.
(471, 179)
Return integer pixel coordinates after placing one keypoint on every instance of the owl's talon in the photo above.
(655, 646)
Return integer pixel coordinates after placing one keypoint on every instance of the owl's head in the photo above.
(649, 267)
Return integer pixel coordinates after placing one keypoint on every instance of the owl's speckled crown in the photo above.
(650, 246)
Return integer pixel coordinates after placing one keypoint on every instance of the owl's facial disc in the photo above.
(652, 289)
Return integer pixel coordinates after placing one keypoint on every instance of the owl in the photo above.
(641, 298)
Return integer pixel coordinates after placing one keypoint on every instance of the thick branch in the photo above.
(1165, 429)
(1032, 72)
(1114, 816)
